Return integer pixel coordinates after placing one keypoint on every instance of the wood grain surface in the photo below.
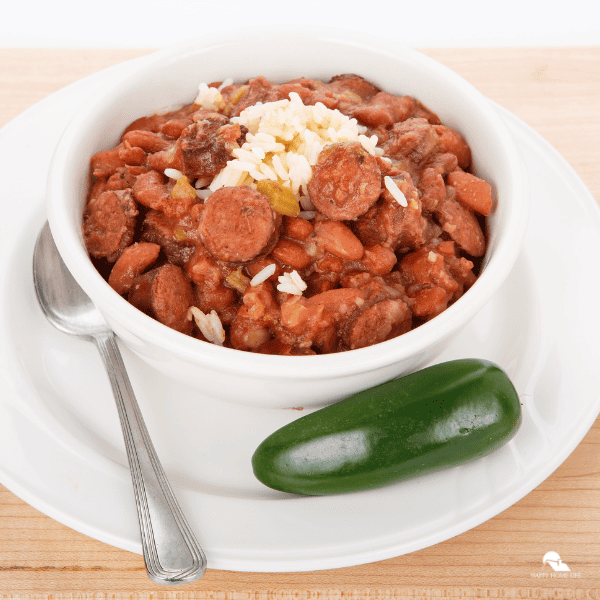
(557, 92)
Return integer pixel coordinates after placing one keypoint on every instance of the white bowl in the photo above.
(170, 77)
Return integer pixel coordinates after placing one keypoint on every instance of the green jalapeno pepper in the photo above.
(433, 419)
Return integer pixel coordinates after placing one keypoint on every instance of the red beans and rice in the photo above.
(305, 217)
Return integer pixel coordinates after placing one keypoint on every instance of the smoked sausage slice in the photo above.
(165, 294)
(237, 224)
(109, 224)
(346, 181)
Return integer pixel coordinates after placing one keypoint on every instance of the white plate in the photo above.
(60, 442)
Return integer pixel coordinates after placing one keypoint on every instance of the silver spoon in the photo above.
(171, 552)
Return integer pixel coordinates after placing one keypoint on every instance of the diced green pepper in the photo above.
(281, 198)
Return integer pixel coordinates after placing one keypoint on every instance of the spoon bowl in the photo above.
(64, 303)
(171, 552)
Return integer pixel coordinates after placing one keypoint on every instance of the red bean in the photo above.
(378, 259)
(339, 240)
(291, 253)
(132, 263)
(297, 228)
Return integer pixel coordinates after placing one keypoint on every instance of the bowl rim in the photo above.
(70, 242)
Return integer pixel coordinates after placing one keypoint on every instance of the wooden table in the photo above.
(557, 92)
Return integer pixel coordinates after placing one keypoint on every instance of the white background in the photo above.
(431, 23)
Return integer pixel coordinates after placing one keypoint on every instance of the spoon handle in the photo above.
(171, 552)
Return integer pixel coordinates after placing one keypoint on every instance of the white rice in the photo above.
(291, 283)
(210, 325)
(173, 174)
(284, 141)
(263, 275)
(395, 191)
(209, 98)
(225, 83)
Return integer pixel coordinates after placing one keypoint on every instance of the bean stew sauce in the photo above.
(384, 232)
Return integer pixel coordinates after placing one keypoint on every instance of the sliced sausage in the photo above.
(237, 224)
(109, 224)
(166, 295)
(346, 181)
(132, 263)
